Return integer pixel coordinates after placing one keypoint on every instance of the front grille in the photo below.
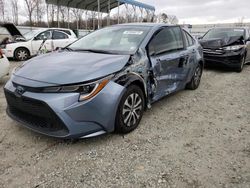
(34, 113)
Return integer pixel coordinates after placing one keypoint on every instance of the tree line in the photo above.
(38, 13)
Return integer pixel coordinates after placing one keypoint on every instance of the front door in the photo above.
(169, 60)
(42, 41)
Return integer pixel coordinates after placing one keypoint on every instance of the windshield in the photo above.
(224, 33)
(30, 34)
(123, 39)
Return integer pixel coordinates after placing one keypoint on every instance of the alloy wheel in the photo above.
(197, 75)
(132, 109)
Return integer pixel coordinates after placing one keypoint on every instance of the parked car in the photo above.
(4, 65)
(104, 81)
(21, 47)
(227, 46)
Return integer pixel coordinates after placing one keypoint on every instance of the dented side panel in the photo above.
(160, 78)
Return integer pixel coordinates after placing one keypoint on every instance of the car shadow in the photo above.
(219, 69)
(222, 69)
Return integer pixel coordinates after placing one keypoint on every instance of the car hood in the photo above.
(71, 67)
(12, 29)
(221, 42)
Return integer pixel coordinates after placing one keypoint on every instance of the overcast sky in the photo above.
(204, 11)
(196, 11)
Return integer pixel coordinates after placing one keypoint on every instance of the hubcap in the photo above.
(22, 55)
(197, 75)
(132, 109)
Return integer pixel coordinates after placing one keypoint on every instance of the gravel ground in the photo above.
(191, 139)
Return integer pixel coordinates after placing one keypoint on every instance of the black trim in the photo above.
(35, 114)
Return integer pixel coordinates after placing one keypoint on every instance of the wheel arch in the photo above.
(201, 62)
(20, 47)
(134, 79)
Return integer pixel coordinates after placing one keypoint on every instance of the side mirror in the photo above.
(199, 38)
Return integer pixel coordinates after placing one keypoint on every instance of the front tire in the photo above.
(130, 110)
(21, 54)
(240, 68)
(195, 81)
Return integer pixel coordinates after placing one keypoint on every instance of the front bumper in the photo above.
(229, 59)
(61, 115)
(4, 67)
(8, 53)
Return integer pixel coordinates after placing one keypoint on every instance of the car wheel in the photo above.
(130, 110)
(21, 54)
(195, 81)
(240, 68)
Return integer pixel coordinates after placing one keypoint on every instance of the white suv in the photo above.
(25, 46)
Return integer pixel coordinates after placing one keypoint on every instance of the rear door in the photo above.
(60, 39)
(191, 50)
(169, 60)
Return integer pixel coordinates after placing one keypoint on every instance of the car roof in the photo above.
(145, 24)
(230, 28)
(54, 28)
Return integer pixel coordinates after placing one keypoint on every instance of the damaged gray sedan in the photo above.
(104, 81)
(227, 46)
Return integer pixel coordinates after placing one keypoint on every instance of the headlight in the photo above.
(234, 48)
(86, 91)
(3, 46)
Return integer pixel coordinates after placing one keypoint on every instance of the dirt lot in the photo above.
(191, 139)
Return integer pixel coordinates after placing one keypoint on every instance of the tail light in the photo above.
(1, 54)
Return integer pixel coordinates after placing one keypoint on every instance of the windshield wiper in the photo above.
(67, 48)
(95, 51)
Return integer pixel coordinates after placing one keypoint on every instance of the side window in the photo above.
(190, 40)
(57, 35)
(44, 35)
(167, 40)
(66, 31)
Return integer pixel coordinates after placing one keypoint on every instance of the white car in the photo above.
(30, 44)
(4, 65)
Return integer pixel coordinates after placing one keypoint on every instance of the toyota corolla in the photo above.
(104, 81)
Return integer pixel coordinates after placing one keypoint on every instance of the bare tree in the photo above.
(40, 10)
(166, 18)
(14, 5)
(172, 19)
(77, 14)
(64, 12)
(240, 22)
(31, 6)
(2, 9)
(51, 14)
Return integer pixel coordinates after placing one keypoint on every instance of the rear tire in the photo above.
(195, 81)
(21, 54)
(130, 110)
